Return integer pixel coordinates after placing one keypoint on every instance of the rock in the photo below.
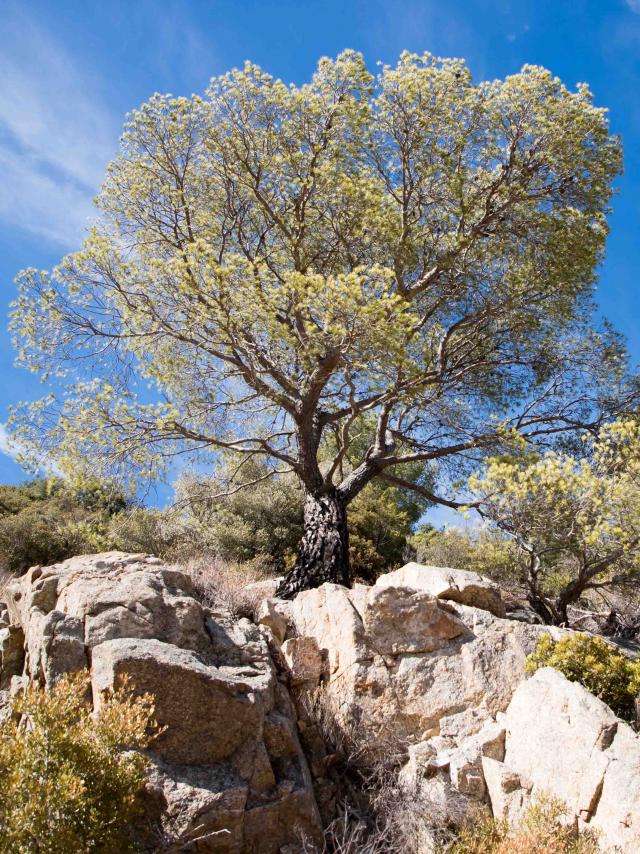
(11, 654)
(208, 713)
(265, 589)
(456, 585)
(564, 742)
(399, 620)
(410, 671)
(303, 660)
(275, 614)
(228, 773)
(405, 660)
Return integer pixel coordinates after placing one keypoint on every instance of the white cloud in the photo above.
(56, 135)
(7, 446)
(634, 5)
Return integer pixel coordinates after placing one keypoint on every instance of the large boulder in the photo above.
(564, 742)
(405, 658)
(227, 773)
(456, 585)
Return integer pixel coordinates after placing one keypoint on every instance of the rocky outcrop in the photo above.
(227, 773)
(563, 741)
(401, 658)
(407, 667)
(455, 585)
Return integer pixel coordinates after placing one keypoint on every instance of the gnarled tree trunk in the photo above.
(324, 548)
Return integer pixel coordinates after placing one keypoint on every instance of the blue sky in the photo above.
(70, 71)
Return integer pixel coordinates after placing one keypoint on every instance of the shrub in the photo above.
(596, 665)
(66, 782)
(47, 520)
(482, 551)
(147, 530)
(265, 521)
(542, 831)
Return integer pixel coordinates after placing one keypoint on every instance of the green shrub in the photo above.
(594, 663)
(483, 551)
(47, 520)
(264, 523)
(66, 782)
(147, 530)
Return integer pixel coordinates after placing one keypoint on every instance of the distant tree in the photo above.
(411, 256)
(575, 521)
(47, 520)
(487, 551)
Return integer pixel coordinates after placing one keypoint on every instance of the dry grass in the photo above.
(221, 584)
(542, 831)
(376, 813)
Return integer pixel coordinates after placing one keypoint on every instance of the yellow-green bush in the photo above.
(69, 780)
(542, 831)
(594, 663)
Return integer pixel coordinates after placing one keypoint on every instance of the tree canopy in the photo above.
(405, 261)
(577, 520)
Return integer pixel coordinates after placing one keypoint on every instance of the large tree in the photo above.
(278, 269)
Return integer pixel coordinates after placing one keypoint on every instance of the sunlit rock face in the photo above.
(227, 770)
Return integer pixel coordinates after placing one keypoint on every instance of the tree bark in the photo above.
(324, 548)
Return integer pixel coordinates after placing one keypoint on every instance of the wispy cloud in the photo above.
(55, 134)
(7, 446)
(634, 5)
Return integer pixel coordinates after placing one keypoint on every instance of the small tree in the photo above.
(577, 521)
(410, 256)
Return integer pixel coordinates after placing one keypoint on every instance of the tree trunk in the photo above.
(324, 548)
(544, 608)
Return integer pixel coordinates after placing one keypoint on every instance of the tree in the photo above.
(278, 264)
(577, 521)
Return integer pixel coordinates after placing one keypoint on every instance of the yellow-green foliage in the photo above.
(412, 240)
(66, 782)
(594, 663)
(541, 832)
(575, 518)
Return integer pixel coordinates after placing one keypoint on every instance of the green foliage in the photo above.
(262, 523)
(157, 532)
(541, 831)
(69, 780)
(48, 520)
(414, 246)
(381, 520)
(485, 551)
(263, 519)
(594, 663)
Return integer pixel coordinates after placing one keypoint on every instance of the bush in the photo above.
(47, 520)
(155, 532)
(596, 665)
(542, 831)
(66, 783)
(264, 522)
(485, 552)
